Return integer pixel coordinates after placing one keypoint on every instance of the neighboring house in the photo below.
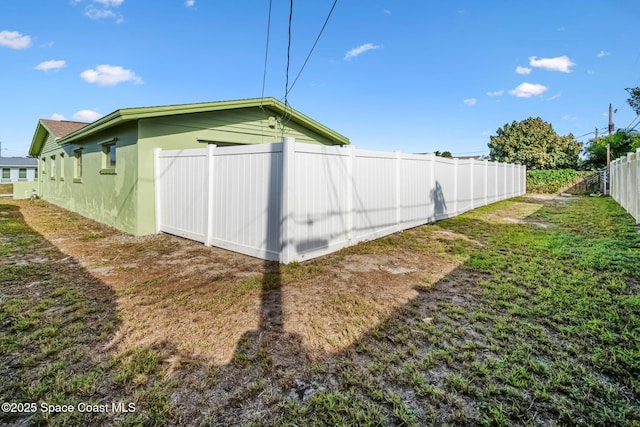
(105, 170)
(14, 169)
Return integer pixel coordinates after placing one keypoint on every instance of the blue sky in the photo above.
(415, 76)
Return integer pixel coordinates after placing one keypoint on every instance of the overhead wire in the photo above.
(313, 47)
(286, 87)
(266, 53)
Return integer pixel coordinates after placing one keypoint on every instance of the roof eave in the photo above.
(39, 137)
(131, 114)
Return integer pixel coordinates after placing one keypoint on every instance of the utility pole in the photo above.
(606, 190)
(610, 120)
(596, 134)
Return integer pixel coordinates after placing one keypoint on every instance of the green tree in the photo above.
(534, 143)
(621, 142)
(634, 98)
(446, 154)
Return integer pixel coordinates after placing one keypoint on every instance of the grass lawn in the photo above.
(524, 312)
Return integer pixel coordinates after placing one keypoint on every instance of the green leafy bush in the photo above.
(550, 181)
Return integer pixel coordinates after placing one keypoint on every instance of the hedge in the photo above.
(550, 181)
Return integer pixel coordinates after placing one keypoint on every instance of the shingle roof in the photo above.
(61, 128)
(18, 161)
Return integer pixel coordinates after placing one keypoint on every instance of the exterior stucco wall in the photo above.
(126, 199)
(109, 198)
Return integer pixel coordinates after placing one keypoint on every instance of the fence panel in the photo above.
(181, 205)
(416, 190)
(480, 175)
(290, 201)
(321, 204)
(444, 188)
(246, 200)
(625, 183)
(374, 194)
(465, 188)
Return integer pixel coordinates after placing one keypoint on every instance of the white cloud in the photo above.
(360, 50)
(486, 132)
(102, 9)
(86, 116)
(95, 13)
(527, 90)
(496, 93)
(14, 40)
(56, 116)
(109, 3)
(591, 72)
(570, 118)
(110, 75)
(523, 70)
(50, 65)
(470, 101)
(559, 63)
(387, 12)
(602, 53)
(190, 3)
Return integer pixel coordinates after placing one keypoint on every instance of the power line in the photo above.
(637, 118)
(286, 87)
(266, 52)
(313, 47)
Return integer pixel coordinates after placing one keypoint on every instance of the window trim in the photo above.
(52, 169)
(62, 156)
(77, 163)
(107, 167)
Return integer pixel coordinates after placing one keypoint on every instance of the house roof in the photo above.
(18, 161)
(58, 128)
(62, 128)
(131, 114)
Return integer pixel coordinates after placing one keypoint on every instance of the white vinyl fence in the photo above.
(294, 201)
(625, 183)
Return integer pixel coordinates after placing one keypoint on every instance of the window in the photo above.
(109, 158)
(52, 174)
(77, 165)
(6, 174)
(36, 172)
(22, 174)
(61, 167)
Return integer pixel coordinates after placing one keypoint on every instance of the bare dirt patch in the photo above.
(204, 300)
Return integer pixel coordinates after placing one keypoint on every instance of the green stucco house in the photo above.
(105, 170)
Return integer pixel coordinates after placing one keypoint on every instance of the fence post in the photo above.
(350, 189)
(398, 188)
(287, 238)
(486, 182)
(455, 187)
(471, 176)
(432, 183)
(636, 190)
(156, 185)
(210, 189)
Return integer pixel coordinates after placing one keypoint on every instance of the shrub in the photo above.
(550, 181)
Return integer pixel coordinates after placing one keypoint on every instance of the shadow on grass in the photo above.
(537, 326)
(518, 334)
(57, 322)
